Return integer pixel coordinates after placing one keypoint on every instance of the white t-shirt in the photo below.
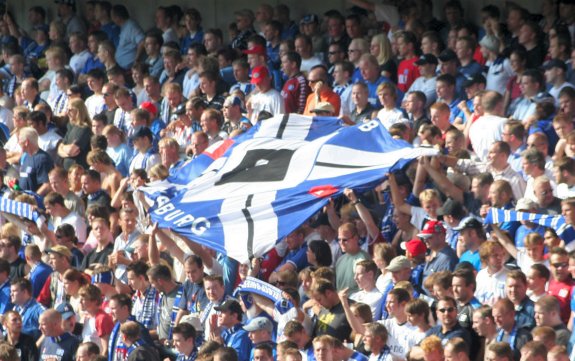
(77, 222)
(307, 64)
(371, 298)
(95, 104)
(490, 288)
(270, 101)
(48, 142)
(400, 337)
(427, 86)
(390, 117)
(485, 131)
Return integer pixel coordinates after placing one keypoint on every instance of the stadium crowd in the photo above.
(93, 107)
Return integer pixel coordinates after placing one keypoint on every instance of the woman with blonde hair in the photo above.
(76, 143)
(380, 47)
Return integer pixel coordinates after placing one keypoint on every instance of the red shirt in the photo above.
(295, 92)
(407, 72)
(562, 292)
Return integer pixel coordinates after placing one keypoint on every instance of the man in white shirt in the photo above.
(488, 128)
(427, 64)
(81, 55)
(267, 99)
(364, 275)
(54, 203)
(491, 279)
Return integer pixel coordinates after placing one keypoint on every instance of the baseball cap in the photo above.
(431, 228)
(230, 305)
(66, 310)
(525, 204)
(555, 63)
(256, 49)
(469, 222)
(259, 323)
(309, 19)
(398, 263)
(323, 107)
(258, 74)
(61, 250)
(180, 109)
(472, 80)
(426, 59)
(415, 247)
(141, 132)
(233, 100)
(447, 55)
(150, 107)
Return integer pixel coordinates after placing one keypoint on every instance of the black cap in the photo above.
(180, 109)
(447, 55)
(230, 305)
(555, 63)
(141, 132)
(452, 208)
(426, 59)
(469, 222)
(475, 79)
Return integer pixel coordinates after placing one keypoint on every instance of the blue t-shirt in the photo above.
(38, 276)
(34, 170)
(471, 257)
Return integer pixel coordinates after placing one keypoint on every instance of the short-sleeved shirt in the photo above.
(62, 348)
(344, 270)
(194, 298)
(333, 322)
(34, 170)
(296, 257)
(131, 35)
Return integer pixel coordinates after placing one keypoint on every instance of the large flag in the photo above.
(564, 231)
(266, 187)
(283, 126)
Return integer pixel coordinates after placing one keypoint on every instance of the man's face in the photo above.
(214, 290)
(559, 267)
(480, 324)
(347, 241)
(6, 250)
(515, 290)
(18, 296)
(151, 46)
(359, 95)
(134, 281)
(322, 351)
(363, 278)
(461, 291)
(542, 317)
(128, 222)
(193, 272)
(199, 144)
(226, 319)
(46, 327)
(182, 344)
(118, 312)
(447, 313)
(13, 323)
(211, 42)
(528, 86)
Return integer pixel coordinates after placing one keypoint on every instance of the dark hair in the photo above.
(37, 117)
(185, 329)
(123, 300)
(120, 11)
(293, 57)
(139, 268)
(322, 252)
(23, 284)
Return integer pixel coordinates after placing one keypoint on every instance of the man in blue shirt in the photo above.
(5, 303)
(296, 258)
(39, 271)
(229, 330)
(130, 38)
(184, 337)
(35, 163)
(57, 345)
(26, 306)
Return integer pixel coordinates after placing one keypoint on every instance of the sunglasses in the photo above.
(448, 309)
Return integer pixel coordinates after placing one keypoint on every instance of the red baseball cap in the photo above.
(259, 73)
(431, 228)
(256, 49)
(150, 107)
(415, 247)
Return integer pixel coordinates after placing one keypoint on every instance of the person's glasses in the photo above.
(448, 309)
(560, 265)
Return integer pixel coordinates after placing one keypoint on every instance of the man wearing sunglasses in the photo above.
(560, 283)
(448, 326)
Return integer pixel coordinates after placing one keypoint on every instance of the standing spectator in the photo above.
(23, 343)
(268, 99)
(80, 52)
(166, 20)
(245, 22)
(321, 91)
(530, 38)
(449, 327)
(362, 109)
(464, 49)
(491, 279)
(407, 71)
(295, 89)
(491, 124)
(349, 242)
(28, 308)
(75, 145)
(357, 48)
(509, 331)
(152, 45)
(561, 283)
(342, 72)
(304, 47)
(499, 67)
(331, 319)
(67, 14)
(130, 38)
(427, 64)
(36, 165)
(39, 271)
(195, 33)
(548, 313)
(229, 330)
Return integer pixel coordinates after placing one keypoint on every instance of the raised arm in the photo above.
(505, 241)
(443, 183)
(153, 251)
(396, 197)
(355, 323)
(364, 213)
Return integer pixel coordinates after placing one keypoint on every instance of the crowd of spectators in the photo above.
(92, 107)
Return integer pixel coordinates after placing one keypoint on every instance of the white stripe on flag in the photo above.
(256, 221)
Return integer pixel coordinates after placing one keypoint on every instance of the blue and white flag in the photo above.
(266, 187)
(283, 126)
(557, 223)
(19, 209)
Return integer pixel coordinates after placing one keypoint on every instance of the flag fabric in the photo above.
(19, 209)
(557, 223)
(283, 126)
(266, 186)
